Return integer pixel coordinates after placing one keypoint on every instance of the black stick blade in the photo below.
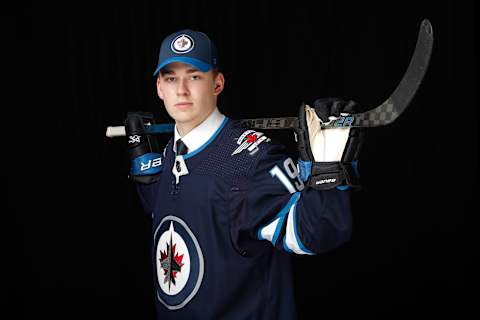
(401, 97)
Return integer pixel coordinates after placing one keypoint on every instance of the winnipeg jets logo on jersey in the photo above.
(174, 262)
(250, 140)
(182, 44)
(179, 263)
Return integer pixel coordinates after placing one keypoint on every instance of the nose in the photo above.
(182, 88)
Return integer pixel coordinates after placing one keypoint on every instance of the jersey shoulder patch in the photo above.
(249, 142)
(235, 153)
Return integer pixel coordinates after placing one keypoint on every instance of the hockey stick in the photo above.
(382, 115)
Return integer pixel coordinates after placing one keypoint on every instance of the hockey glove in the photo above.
(142, 149)
(328, 157)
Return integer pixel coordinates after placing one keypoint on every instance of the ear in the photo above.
(219, 84)
(159, 89)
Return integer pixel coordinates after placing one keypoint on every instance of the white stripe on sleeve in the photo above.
(291, 237)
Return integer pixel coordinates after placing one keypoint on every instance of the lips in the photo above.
(183, 105)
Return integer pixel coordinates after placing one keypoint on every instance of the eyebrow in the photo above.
(169, 71)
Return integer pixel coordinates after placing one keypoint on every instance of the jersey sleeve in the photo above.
(290, 217)
(146, 195)
(147, 192)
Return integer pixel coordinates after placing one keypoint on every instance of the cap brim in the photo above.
(197, 64)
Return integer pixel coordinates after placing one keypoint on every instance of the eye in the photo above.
(170, 79)
(195, 77)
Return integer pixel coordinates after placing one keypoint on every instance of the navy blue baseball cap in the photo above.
(188, 46)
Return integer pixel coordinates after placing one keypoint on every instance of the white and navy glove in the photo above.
(328, 157)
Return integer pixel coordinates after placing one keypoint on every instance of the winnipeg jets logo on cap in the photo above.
(182, 44)
(250, 140)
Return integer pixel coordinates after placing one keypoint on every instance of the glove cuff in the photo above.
(329, 175)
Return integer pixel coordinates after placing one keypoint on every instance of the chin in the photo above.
(179, 115)
(183, 118)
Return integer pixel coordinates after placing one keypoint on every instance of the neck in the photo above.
(185, 127)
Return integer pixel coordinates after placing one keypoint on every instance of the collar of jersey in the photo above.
(213, 136)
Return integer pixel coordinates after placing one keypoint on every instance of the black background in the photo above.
(75, 237)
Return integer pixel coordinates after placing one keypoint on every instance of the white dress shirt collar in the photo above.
(201, 133)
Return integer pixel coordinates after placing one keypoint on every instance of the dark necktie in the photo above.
(181, 148)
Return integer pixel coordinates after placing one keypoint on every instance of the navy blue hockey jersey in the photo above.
(223, 236)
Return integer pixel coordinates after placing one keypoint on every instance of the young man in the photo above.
(229, 207)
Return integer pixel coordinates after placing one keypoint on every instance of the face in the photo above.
(189, 95)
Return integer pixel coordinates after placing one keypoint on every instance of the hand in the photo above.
(328, 157)
(142, 149)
